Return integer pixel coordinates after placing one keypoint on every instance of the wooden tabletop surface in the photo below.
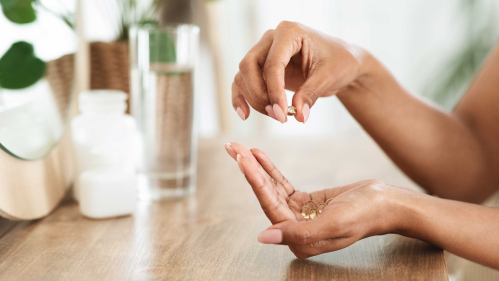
(212, 235)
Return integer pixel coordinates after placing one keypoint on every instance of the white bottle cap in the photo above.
(102, 101)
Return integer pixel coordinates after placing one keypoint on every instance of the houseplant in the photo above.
(110, 62)
(19, 67)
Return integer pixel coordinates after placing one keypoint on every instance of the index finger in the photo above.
(274, 206)
(272, 170)
(286, 44)
(251, 71)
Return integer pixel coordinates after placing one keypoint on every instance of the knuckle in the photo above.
(257, 89)
(374, 181)
(269, 33)
(303, 236)
(271, 64)
(302, 256)
(234, 89)
(272, 170)
(260, 185)
(310, 96)
(299, 253)
(244, 65)
(284, 180)
(376, 185)
(239, 80)
(276, 204)
(286, 25)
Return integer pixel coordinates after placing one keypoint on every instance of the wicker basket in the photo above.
(110, 66)
(60, 76)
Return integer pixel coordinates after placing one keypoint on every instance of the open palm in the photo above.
(278, 198)
(350, 215)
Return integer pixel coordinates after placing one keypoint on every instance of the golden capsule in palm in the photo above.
(311, 204)
(291, 111)
(305, 212)
(320, 207)
(313, 214)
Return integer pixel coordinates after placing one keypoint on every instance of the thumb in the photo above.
(295, 233)
(306, 96)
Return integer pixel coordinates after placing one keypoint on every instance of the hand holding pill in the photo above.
(296, 58)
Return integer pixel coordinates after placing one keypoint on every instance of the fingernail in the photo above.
(229, 149)
(238, 157)
(240, 113)
(306, 113)
(270, 236)
(270, 111)
(279, 114)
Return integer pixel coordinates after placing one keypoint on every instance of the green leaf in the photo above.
(19, 11)
(19, 67)
(145, 22)
(161, 48)
(161, 45)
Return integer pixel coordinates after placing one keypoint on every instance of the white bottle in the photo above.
(106, 193)
(104, 139)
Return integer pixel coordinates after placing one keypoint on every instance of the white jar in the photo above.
(106, 193)
(104, 139)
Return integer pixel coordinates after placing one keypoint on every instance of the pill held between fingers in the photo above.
(291, 111)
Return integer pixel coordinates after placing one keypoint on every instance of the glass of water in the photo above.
(163, 103)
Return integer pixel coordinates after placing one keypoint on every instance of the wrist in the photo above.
(392, 214)
(408, 207)
(373, 79)
(368, 65)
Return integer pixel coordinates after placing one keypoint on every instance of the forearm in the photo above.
(435, 148)
(464, 229)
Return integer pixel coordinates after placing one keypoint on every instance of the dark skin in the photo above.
(453, 155)
(282, 203)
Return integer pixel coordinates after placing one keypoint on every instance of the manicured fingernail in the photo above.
(238, 157)
(230, 150)
(306, 113)
(240, 113)
(270, 236)
(270, 111)
(279, 114)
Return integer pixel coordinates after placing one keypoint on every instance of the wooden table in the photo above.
(212, 236)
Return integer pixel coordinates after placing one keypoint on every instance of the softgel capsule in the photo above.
(312, 210)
